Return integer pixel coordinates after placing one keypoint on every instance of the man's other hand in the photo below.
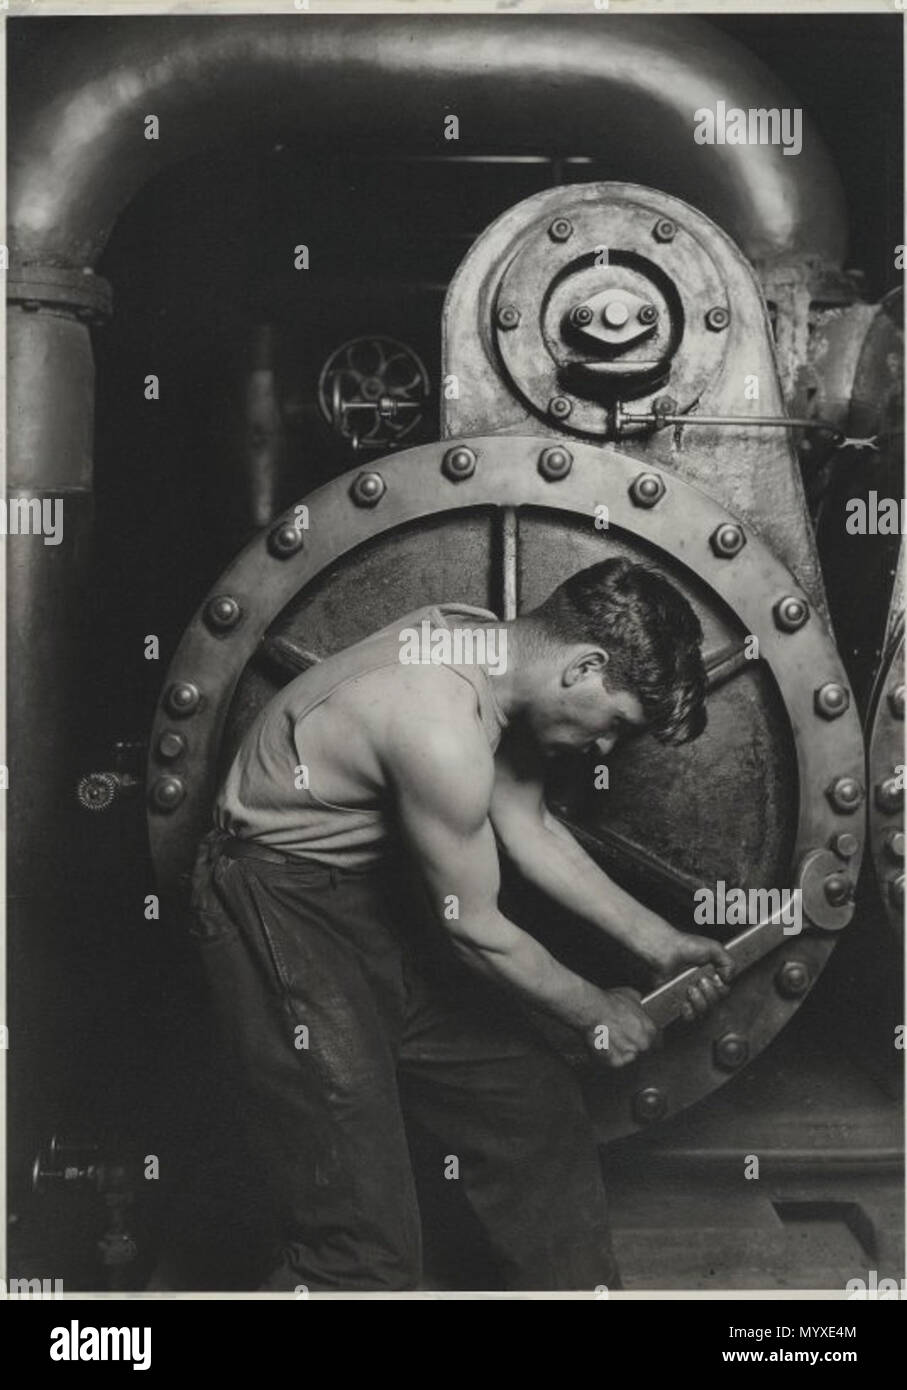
(625, 1029)
(681, 952)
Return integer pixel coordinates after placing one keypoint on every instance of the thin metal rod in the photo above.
(509, 564)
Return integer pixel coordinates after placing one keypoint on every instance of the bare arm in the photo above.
(442, 772)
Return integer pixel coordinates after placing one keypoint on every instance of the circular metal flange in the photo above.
(885, 781)
(77, 294)
(827, 751)
(662, 286)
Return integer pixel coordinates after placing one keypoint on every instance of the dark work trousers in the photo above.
(336, 1030)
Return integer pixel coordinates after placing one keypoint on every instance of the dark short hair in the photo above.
(651, 635)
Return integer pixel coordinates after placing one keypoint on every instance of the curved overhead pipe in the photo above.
(624, 90)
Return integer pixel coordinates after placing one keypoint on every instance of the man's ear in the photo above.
(587, 661)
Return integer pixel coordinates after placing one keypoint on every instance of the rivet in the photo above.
(555, 463)
(790, 613)
(664, 405)
(893, 841)
(458, 463)
(717, 319)
(727, 540)
(845, 794)
(367, 489)
(183, 698)
(507, 317)
(285, 540)
(831, 700)
(560, 407)
(167, 793)
(646, 490)
(170, 745)
(896, 890)
(792, 979)
(222, 612)
(896, 701)
(889, 796)
(664, 229)
(838, 889)
(731, 1051)
(615, 313)
(650, 1104)
(647, 314)
(581, 316)
(845, 844)
(561, 229)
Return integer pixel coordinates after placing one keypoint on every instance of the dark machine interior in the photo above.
(206, 297)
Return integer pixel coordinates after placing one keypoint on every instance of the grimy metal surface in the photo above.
(692, 269)
(885, 780)
(685, 526)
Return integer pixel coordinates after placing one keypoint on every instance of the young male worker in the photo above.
(351, 1010)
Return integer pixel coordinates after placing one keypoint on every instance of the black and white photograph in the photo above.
(454, 773)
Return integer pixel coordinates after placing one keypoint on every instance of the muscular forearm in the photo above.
(549, 857)
(499, 951)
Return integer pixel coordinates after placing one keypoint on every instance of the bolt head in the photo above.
(731, 1051)
(664, 405)
(896, 701)
(792, 979)
(170, 745)
(648, 314)
(367, 489)
(894, 845)
(646, 490)
(555, 463)
(831, 700)
(285, 540)
(222, 612)
(458, 463)
(561, 229)
(889, 796)
(664, 229)
(896, 891)
(560, 407)
(507, 317)
(183, 698)
(717, 319)
(167, 793)
(790, 613)
(615, 313)
(846, 794)
(845, 844)
(649, 1105)
(727, 540)
(581, 316)
(838, 889)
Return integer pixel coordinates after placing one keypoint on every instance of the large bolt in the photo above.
(555, 463)
(717, 319)
(167, 793)
(831, 700)
(893, 841)
(170, 745)
(664, 405)
(649, 1105)
(222, 612)
(458, 463)
(560, 407)
(845, 844)
(646, 490)
(615, 313)
(838, 889)
(648, 314)
(581, 316)
(790, 613)
(845, 794)
(561, 229)
(896, 701)
(285, 540)
(664, 229)
(183, 698)
(792, 979)
(367, 489)
(731, 1051)
(889, 796)
(507, 317)
(727, 540)
(896, 891)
